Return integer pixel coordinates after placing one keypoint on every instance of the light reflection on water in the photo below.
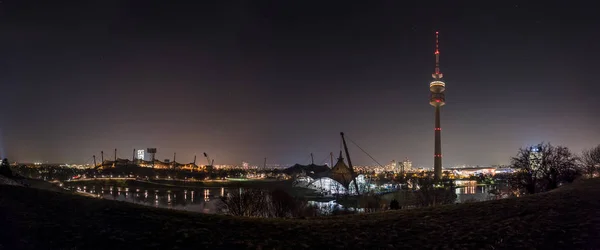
(473, 192)
(173, 198)
(328, 207)
(208, 202)
(180, 199)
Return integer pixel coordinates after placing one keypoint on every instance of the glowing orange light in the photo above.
(437, 100)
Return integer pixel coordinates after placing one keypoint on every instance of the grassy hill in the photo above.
(566, 218)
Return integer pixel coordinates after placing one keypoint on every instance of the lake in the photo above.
(203, 200)
(207, 199)
(470, 191)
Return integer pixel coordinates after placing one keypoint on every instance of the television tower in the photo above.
(437, 99)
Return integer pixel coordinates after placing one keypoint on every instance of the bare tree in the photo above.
(432, 193)
(543, 167)
(281, 204)
(249, 202)
(262, 203)
(303, 209)
(590, 159)
(560, 167)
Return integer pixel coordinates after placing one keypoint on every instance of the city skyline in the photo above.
(281, 80)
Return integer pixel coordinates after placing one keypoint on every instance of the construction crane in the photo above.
(208, 160)
(350, 163)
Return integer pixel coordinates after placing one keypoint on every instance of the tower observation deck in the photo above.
(437, 99)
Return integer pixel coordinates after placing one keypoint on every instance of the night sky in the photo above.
(280, 79)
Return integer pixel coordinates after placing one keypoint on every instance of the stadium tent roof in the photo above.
(341, 173)
(312, 170)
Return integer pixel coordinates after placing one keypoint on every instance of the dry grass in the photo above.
(567, 218)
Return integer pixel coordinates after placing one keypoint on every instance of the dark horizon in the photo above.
(248, 80)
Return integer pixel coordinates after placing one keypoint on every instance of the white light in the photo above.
(437, 83)
(140, 154)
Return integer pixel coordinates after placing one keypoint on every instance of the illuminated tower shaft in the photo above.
(437, 99)
(437, 152)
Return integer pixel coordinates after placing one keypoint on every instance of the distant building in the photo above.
(392, 167)
(406, 165)
(535, 157)
(141, 154)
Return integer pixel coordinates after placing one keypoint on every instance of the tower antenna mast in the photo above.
(437, 75)
(437, 52)
(437, 99)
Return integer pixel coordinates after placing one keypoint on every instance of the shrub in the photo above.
(432, 193)
(394, 204)
(372, 202)
(5, 168)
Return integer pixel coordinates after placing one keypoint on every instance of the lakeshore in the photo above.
(44, 219)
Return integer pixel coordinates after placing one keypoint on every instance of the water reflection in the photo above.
(209, 198)
(181, 199)
(328, 207)
(471, 191)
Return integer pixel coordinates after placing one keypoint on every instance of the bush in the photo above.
(394, 204)
(304, 210)
(471, 200)
(432, 193)
(5, 168)
(372, 202)
(342, 211)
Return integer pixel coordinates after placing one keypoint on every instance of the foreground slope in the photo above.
(565, 218)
